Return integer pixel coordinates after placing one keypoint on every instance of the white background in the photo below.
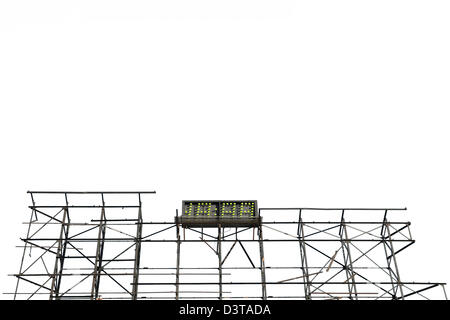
(293, 103)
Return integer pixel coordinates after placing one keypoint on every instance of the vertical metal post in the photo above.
(390, 257)
(25, 246)
(304, 260)
(445, 293)
(262, 263)
(177, 277)
(60, 255)
(137, 252)
(386, 248)
(348, 263)
(99, 255)
(58, 258)
(219, 254)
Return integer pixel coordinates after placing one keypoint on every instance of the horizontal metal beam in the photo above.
(339, 209)
(215, 268)
(207, 240)
(120, 274)
(284, 283)
(406, 223)
(91, 192)
(84, 207)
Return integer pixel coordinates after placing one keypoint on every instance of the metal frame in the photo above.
(341, 258)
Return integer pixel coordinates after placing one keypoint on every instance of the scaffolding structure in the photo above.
(97, 245)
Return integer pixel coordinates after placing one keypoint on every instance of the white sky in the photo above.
(292, 103)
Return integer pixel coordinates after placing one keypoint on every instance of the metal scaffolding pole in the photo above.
(392, 260)
(219, 255)
(33, 212)
(303, 257)
(99, 256)
(137, 255)
(262, 263)
(177, 276)
(60, 256)
(348, 262)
